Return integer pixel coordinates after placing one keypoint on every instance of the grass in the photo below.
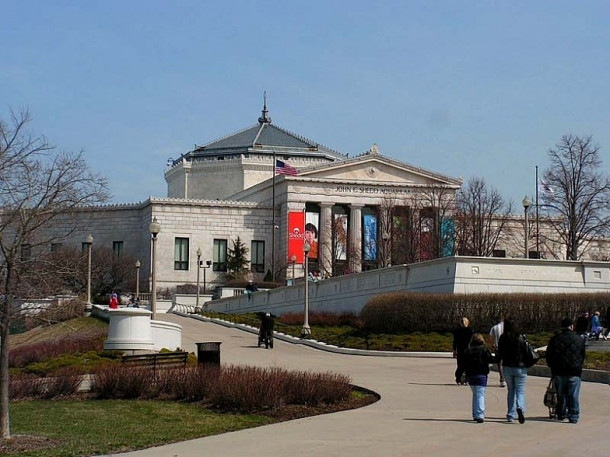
(93, 427)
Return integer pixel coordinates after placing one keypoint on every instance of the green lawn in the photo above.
(92, 427)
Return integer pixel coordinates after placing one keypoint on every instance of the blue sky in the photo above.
(464, 88)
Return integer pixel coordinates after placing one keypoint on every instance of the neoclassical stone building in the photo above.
(265, 185)
(272, 188)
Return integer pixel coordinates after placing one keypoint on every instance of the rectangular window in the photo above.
(55, 247)
(499, 253)
(220, 255)
(181, 254)
(257, 249)
(117, 248)
(26, 252)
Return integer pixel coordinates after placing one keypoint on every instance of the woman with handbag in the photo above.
(512, 348)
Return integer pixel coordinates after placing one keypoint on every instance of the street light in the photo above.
(154, 229)
(526, 202)
(294, 260)
(138, 265)
(208, 264)
(89, 243)
(306, 330)
(197, 309)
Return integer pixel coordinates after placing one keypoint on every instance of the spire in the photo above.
(264, 119)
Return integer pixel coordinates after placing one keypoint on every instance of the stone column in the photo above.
(325, 237)
(354, 253)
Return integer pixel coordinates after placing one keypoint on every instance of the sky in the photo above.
(464, 88)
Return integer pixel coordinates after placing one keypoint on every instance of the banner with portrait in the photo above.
(312, 230)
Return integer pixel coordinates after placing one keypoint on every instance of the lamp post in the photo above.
(197, 308)
(294, 260)
(154, 229)
(526, 206)
(208, 264)
(306, 330)
(138, 265)
(89, 243)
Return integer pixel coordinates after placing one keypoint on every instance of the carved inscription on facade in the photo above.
(341, 189)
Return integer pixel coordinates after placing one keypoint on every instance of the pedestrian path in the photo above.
(421, 411)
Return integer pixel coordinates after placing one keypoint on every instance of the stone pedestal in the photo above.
(129, 329)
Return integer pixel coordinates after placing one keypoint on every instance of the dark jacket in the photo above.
(461, 339)
(477, 359)
(511, 349)
(565, 353)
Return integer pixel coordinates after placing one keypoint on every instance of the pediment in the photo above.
(378, 169)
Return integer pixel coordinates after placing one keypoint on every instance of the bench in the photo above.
(157, 359)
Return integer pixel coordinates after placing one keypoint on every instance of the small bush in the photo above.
(26, 385)
(118, 381)
(66, 381)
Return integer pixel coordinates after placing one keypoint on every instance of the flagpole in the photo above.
(273, 224)
(537, 216)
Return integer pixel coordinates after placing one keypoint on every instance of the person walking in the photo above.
(596, 326)
(477, 358)
(494, 340)
(512, 348)
(461, 339)
(565, 355)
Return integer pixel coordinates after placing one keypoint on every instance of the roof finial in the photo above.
(264, 119)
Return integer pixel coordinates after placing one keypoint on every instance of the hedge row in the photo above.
(410, 312)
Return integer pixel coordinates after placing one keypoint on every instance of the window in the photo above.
(220, 255)
(26, 252)
(499, 253)
(257, 249)
(55, 247)
(117, 248)
(181, 254)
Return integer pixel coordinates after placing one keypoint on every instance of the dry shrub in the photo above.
(65, 381)
(118, 381)
(191, 384)
(24, 355)
(251, 389)
(24, 385)
(401, 312)
(247, 389)
(313, 389)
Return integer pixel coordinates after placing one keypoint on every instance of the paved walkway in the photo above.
(421, 411)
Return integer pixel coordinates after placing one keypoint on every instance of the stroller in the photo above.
(265, 332)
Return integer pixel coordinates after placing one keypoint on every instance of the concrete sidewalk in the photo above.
(421, 411)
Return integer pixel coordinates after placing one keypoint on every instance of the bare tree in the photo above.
(480, 219)
(578, 192)
(438, 205)
(38, 186)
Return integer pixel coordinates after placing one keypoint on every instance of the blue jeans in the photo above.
(478, 402)
(568, 392)
(515, 381)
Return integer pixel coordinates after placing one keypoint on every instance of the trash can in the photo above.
(209, 353)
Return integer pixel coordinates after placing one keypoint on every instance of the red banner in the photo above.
(296, 236)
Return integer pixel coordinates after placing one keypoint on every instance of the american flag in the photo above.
(282, 168)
